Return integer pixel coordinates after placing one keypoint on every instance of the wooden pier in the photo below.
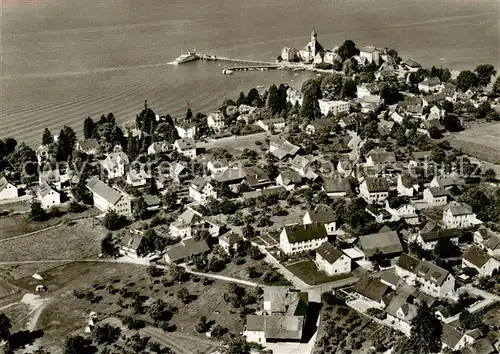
(249, 68)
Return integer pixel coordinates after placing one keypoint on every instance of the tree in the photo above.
(108, 246)
(36, 212)
(332, 83)
(483, 109)
(274, 103)
(88, 128)
(78, 345)
(178, 273)
(203, 325)
(311, 91)
(47, 137)
(451, 122)
(466, 79)
(446, 249)
(390, 94)
(426, 332)
(468, 320)
(347, 50)
(496, 86)
(5, 326)
(106, 334)
(140, 208)
(112, 221)
(183, 295)
(484, 73)
(348, 89)
(490, 175)
(238, 346)
(65, 143)
(160, 311)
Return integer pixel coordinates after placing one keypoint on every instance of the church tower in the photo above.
(313, 42)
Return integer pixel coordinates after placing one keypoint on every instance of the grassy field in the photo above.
(74, 241)
(481, 141)
(309, 273)
(65, 314)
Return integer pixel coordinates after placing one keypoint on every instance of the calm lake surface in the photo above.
(65, 60)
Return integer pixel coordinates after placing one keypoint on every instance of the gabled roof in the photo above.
(98, 187)
(431, 81)
(407, 262)
(198, 183)
(457, 208)
(186, 248)
(255, 176)
(44, 189)
(322, 214)
(482, 346)
(376, 184)
(420, 155)
(493, 243)
(381, 155)
(230, 238)
(328, 252)
(476, 256)
(177, 168)
(290, 177)
(408, 181)
(3, 183)
(230, 175)
(438, 192)
(431, 272)
(301, 233)
(450, 335)
(88, 144)
(412, 63)
(132, 240)
(185, 144)
(437, 233)
(371, 288)
(385, 243)
(336, 185)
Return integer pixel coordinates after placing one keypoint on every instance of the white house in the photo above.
(435, 196)
(7, 189)
(480, 261)
(48, 196)
(186, 147)
(492, 245)
(333, 107)
(289, 179)
(431, 84)
(401, 209)
(321, 215)
(158, 147)
(116, 164)
(131, 242)
(302, 165)
(229, 241)
(367, 90)
(459, 215)
(88, 146)
(432, 279)
(302, 238)
(215, 120)
(401, 312)
(336, 187)
(217, 166)
(107, 198)
(186, 129)
(272, 125)
(201, 190)
(137, 178)
(374, 189)
(407, 185)
(429, 239)
(331, 260)
(370, 53)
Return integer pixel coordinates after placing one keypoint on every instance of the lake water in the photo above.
(65, 60)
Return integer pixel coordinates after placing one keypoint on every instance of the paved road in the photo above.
(224, 278)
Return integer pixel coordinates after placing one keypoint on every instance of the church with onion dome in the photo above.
(313, 52)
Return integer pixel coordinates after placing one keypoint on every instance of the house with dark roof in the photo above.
(436, 196)
(289, 179)
(379, 156)
(320, 125)
(454, 339)
(331, 260)
(189, 222)
(322, 214)
(336, 187)
(185, 249)
(373, 291)
(282, 148)
(107, 198)
(256, 178)
(382, 243)
(407, 185)
(480, 260)
(401, 311)
(178, 172)
(492, 245)
(430, 84)
(131, 243)
(285, 314)
(186, 147)
(431, 279)
(201, 189)
(88, 146)
(302, 238)
(48, 196)
(402, 208)
(229, 241)
(374, 189)
(459, 215)
(481, 346)
(428, 238)
(7, 189)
